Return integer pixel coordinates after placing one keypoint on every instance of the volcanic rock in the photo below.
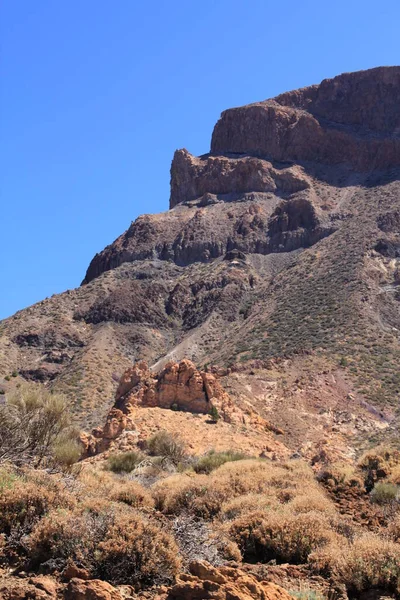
(223, 583)
(352, 118)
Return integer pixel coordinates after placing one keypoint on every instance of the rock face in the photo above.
(223, 583)
(179, 386)
(353, 118)
(192, 177)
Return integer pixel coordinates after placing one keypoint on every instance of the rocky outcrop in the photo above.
(203, 232)
(192, 177)
(94, 589)
(179, 386)
(224, 583)
(353, 118)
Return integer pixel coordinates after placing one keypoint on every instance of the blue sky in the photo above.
(97, 94)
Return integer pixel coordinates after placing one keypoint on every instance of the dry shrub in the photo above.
(136, 550)
(282, 536)
(378, 464)
(67, 452)
(393, 529)
(370, 562)
(315, 502)
(133, 494)
(394, 476)
(64, 535)
(342, 475)
(231, 509)
(113, 542)
(167, 446)
(28, 499)
(92, 480)
(206, 495)
(32, 422)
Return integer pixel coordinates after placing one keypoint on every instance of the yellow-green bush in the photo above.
(212, 460)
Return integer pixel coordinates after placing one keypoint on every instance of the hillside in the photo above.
(280, 244)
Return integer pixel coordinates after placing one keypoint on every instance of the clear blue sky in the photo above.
(97, 94)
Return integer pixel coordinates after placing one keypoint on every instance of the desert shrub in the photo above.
(315, 502)
(234, 507)
(212, 460)
(370, 562)
(24, 502)
(111, 541)
(136, 550)
(282, 536)
(341, 475)
(377, 464)
(133, 494)
(7, 477)
(306, 594)
(206, 495)
(71, 534)
(67, 452)
(384, 493)
(124, 462)
(31, 423)
(214, 414)
(394, 476)
(166, 445)
(393, 529)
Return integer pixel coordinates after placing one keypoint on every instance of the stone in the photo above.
(93, 589)
(223, 583)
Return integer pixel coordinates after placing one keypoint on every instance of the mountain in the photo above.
(278, 262)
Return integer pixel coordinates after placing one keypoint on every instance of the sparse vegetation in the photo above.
(214, 414)
(124, 462)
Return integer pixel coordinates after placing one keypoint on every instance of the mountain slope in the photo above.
(284, 241)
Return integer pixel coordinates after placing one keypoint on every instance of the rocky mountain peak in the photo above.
(352, 118)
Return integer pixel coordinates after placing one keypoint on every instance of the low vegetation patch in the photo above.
(167, 446)
(384, 493)
(212, 460)
(124, 462)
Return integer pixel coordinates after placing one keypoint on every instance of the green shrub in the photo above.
(214, 414)
(166, 445)
(384, 493)
(212, 460)
(125, 462)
